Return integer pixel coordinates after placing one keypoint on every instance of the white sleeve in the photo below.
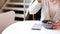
(45, 11)
(34, 8)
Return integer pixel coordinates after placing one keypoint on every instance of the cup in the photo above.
(47, 25)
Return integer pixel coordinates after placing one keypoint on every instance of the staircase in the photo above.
(18, 8)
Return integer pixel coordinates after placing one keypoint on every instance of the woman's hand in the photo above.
(57, 25)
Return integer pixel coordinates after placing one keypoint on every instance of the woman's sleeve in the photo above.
(34, 8)
(44, 12)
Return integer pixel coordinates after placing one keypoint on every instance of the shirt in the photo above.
(45, 13)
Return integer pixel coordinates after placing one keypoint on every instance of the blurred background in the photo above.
(20, 7)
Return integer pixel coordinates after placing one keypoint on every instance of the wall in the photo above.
(2, 2)
(28, 1)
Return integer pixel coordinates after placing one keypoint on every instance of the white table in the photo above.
(25, 28)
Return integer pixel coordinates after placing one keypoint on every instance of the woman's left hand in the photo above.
(57, 25)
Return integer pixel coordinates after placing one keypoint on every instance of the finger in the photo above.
(57, 21)
(54, 27)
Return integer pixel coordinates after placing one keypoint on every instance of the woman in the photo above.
(50, 10)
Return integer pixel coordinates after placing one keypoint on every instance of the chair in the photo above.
(6, 18)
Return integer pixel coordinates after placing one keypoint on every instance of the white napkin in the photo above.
(36, 27)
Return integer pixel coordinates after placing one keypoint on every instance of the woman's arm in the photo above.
(35, 7)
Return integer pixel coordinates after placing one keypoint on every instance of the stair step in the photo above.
(19, 19)
(6, 10)
(19, 12)
(16, 0)
(13, 5)
(18, 3)
(20, 15)
(14, 8)
(16, 11)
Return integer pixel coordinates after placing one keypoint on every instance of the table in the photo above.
(24, 27)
